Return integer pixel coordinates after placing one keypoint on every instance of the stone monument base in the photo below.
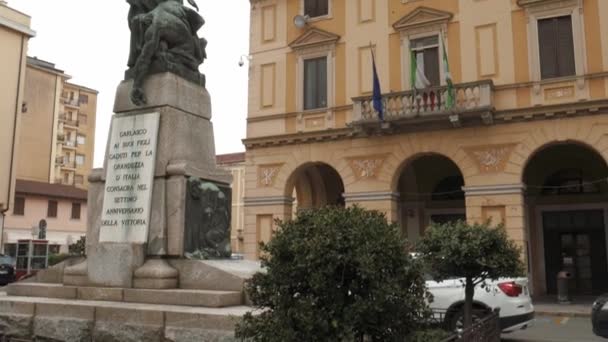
(63, 320)
(206, 307)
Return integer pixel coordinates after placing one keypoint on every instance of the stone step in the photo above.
(196, 298)
(36, 318)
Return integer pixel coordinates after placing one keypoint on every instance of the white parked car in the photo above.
(510, 295)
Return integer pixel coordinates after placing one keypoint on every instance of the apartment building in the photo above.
(488, 109)
(15, 33)
(54, 158)
(58, 127)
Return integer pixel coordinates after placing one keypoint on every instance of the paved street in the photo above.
(556, 329)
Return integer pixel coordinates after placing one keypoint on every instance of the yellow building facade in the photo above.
(520, 138)
(58, 127)
(15, 33)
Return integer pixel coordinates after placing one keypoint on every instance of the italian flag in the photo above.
(417, 78)
(449, 103)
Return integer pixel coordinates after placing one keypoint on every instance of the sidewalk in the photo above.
(548, 306)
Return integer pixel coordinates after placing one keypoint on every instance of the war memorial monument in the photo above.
(158, 262)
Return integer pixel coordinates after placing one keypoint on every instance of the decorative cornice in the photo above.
(314, 37)
(485, 190)
(17, 27)
(299, 138)
(370, 196)
(422, 16)
(532, 3)
(267, 201)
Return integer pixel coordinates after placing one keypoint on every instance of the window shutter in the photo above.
(309, 84)
(310, 7)
(322, 83)
(322, 7)
(76, 211)
(316, 8)
(315, 83)
(52, 209)
(565, 45)
(548, 48)
(19, 206)
(431, 66)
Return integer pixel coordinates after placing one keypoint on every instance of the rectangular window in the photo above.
(316, 8)
(556, 46)
(83, 99)
(79, 179)
(75, 211)
(79, 159)
(52, 209)
(19, 206)
(82, 119)
(81, 140)
(315, 83)
(10, 249)
(426, 52)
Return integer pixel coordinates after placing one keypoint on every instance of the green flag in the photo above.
(449, 103)
(418, 79)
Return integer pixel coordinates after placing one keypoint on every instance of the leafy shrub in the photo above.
(335, 274)
(54, 259)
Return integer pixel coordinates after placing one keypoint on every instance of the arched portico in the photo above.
(566, 201)
(430, 190)
(314, 185)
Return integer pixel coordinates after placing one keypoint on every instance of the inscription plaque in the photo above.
(130, 161)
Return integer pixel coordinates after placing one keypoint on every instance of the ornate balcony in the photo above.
(473, 102)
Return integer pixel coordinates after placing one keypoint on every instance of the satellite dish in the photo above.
(300, 21)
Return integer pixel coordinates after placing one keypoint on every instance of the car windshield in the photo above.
(6, 260)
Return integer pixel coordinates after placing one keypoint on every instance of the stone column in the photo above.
(260, 213)
(386, 202)
(500, 204)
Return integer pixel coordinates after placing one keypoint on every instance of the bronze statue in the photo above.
(164, 38)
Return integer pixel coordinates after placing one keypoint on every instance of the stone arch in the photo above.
(566, 199)
(429, 186)
(316, 184)
(398, 171)
(551, 144)
(573, 131)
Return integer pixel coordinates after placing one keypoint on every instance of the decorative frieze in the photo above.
(267, 174)
(367, 167)
(491, 158)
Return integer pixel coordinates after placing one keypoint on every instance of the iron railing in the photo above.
(486, 329)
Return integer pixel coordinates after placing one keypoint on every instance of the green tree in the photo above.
(335, 274)
(79, 247)
(477, 253)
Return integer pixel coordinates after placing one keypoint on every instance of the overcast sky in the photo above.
(89, 40)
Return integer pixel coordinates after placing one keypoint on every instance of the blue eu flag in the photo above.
(377, 93)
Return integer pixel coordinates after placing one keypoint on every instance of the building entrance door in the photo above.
(575, 241)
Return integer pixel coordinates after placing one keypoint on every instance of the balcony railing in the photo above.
(67, 121)
(69, 143)
(70, 102)
(427, 103)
